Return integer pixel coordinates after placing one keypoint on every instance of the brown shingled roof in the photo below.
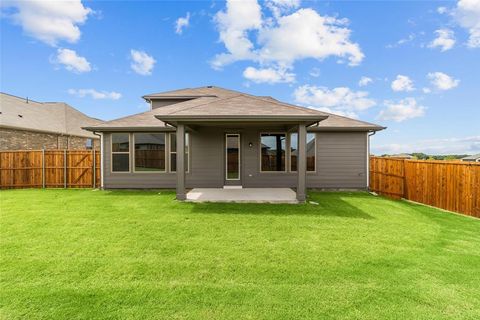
(54, 117)
(214, 102)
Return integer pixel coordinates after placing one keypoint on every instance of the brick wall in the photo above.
(12, 139)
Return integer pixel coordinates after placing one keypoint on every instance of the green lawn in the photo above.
(83, 254)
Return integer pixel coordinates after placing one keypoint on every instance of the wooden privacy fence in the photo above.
(449, 185)
(49, 169)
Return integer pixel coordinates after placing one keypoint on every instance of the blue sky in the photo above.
(419, 60)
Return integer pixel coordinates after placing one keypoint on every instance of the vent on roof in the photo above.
(20, 116)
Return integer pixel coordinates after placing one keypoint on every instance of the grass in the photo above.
(83, 254)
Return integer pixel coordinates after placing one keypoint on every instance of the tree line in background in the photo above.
(424, 156)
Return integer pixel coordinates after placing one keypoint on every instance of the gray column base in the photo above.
(181, 197)
(301, 197)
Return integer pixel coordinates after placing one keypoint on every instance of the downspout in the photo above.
(101, 157)
(369, 134)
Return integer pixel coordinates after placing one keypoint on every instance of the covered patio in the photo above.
(239, 195)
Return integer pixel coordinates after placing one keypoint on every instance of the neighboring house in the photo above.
(29, 125)
(473, 158)
(213, 137)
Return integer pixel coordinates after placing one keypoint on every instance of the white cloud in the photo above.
(402, 83)
(306, 34)
(339, 100)
(445, 40)
(457, 145)
(283, 39)
(142, 63)
(81, 93)
(426, 90)
(71, 61)
(233, 25)
(268, 75)
(50, 21)
(402, 42)
(182, 23)
(467, 15)
(402, 110)
(364, 81)
(442, 81)
(442, 10)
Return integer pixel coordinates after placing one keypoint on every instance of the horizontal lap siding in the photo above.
(340, 163)
(205, 165)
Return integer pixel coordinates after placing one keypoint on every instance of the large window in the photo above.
(273, 151)
(150, 152)
(310, 151)
(120, 152)
(173, 152)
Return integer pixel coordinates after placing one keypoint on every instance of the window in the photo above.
(173, 152)
(150, 152)
(89, 143)
(120, 152)
(273, 151)
(310, 151)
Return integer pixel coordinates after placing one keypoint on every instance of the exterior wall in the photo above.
(165, 102)
(12, 139)
(341, 162)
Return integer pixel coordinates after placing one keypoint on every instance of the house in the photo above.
(472, 158)
(26, 125)
(210, 137)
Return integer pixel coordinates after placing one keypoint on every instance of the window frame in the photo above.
(170, 152)
(287, 145)
(166, 153)
(87, 146)
(290, 150)
(121, 152)
(239, 156)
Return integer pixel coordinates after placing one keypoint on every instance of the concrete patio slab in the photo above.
(247, 195)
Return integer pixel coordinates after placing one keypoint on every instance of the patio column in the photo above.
(181, 162)
(302, 163)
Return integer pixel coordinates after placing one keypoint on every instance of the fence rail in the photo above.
(49, 169)
(449, 185)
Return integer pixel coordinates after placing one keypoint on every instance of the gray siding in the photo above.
(165, 102)
(341, 162)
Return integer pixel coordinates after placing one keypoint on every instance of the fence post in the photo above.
(43, 168)
(94, 170)
(65, 168)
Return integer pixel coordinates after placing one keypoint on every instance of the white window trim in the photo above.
(120, 152)
(260, 151)
(239, 157)
(153, 171)
(170, 152)
(290, 150)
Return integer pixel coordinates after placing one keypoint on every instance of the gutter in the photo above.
(100, 135)
(369, 134)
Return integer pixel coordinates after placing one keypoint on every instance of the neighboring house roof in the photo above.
(475, 157)
(218, 104)
(52, 117)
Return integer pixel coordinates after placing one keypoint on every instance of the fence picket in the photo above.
(448, 185)
(49, 169)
